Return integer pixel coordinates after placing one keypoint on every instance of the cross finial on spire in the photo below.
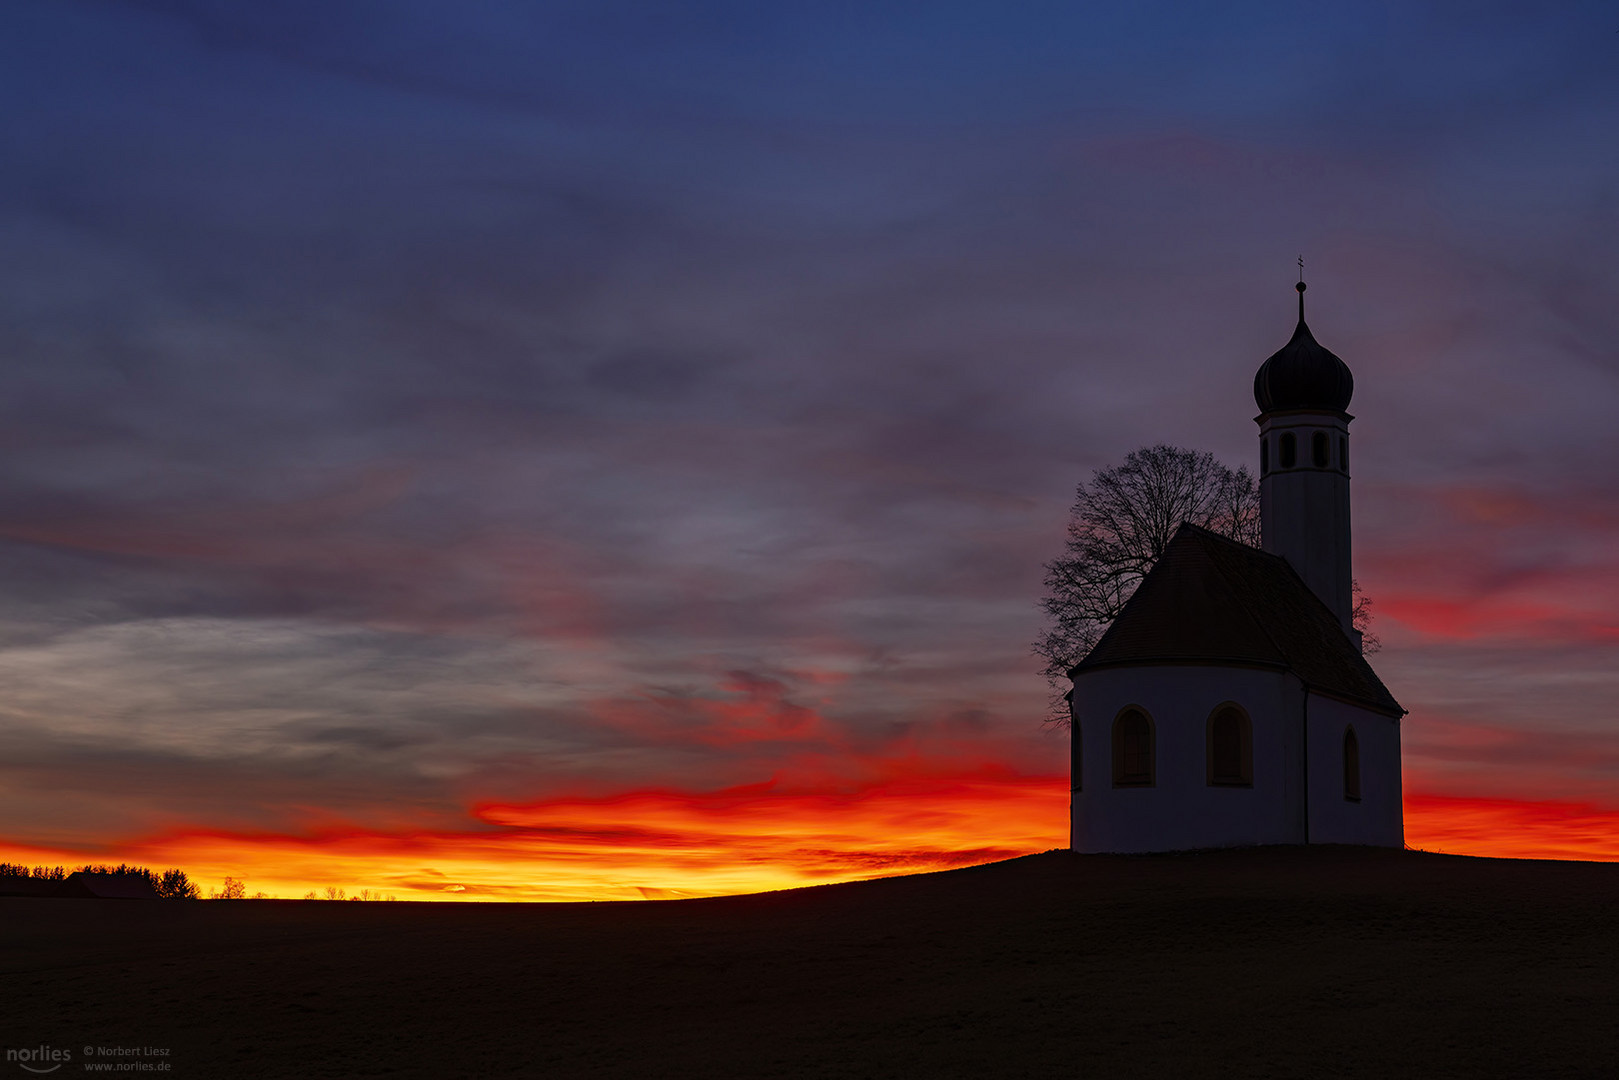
(1301, 287)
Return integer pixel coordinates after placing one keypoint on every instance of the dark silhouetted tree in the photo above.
(1120, 523)
(175, 885)
(170, 884)
(231, 890)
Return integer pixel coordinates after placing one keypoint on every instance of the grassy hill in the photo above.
(1266, 962)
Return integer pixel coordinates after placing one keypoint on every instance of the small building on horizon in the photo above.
(89, 884)
(1230, 702)
(80, 885)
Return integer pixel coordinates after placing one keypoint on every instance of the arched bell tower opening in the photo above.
(1302, 392)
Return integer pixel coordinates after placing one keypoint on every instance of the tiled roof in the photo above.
(1210, 600)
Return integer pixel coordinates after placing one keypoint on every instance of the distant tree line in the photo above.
(171, 884)
(334, 892)
(38, 873)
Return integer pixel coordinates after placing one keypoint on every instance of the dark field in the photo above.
(1269, 962)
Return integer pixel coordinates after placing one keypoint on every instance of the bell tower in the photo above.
(1302, 392)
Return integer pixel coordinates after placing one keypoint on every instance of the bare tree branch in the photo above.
(1360, 617)
(1121, 522)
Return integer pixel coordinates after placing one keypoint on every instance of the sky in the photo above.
(571, 451)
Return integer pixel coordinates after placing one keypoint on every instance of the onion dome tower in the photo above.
(1302, 392)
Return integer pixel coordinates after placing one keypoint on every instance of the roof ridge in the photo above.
(1249, 551)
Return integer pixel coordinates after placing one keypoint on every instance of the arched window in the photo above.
(1351, 765)
(1230, 748)
(1132, 750)
(1320, 450)
(1289, 450)
(1343, 453)
(1264, 456)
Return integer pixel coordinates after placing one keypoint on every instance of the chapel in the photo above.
(1230, 703)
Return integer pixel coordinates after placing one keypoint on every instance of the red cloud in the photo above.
(1511, 828)
(763, 714)
(1466, 617)
(1471, 563)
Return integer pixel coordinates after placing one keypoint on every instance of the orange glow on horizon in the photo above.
(637, 845)
(1511, 828)
(661, 843)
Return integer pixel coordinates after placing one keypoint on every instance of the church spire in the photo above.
(1301, 287)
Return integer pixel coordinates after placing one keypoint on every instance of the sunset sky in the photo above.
(503, 450)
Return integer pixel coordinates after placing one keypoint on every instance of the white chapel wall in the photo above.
(1379, 817)
(1182, 811)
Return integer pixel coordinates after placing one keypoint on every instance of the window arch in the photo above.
(1230, 738)
(1289, 450)
(1320, 450)
(1351, 765)
(1134, 763)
